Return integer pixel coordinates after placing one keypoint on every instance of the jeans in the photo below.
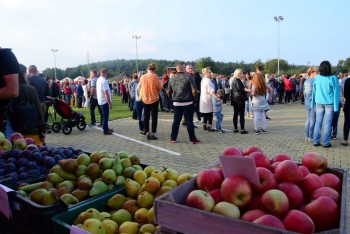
(105, 116)
(218, 120)
(93, 104)
(310, 123)
(148, 109)
(262, 115)
(334, 129)
(67, 98)
(324, 114)
(187, 112)
(139, 109)
(346, 127)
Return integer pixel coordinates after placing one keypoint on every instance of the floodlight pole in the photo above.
(278, 19)
(136, 37)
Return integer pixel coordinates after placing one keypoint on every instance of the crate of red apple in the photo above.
(288, 197)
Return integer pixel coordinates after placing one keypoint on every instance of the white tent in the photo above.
(79, 78)
(65, 79)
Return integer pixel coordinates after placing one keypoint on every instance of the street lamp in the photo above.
(137, 57)
(54, 57)
(278, 19)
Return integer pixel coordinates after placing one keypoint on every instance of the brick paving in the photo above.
(285, 134)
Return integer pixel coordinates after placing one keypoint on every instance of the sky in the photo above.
(88, 31)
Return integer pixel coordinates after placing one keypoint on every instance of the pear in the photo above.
(152, 185)
(141, 189)
(37, 195)
(140, 215)
(105, 215)
(49, 199)
(147, 228)
(116, 202)
(125, 162)
(92, 213)
(135, 160)
(80, 219)
(110, 187)
(150, 216)
(145, 199)
(149, 170)
(64, 174)
(140, 177)
(110, 226)
(121, 216)
(122, 154)
(54, 178)
(98, 187)
(93, 171)
(137, 167)
(61, 191)
(109, 176)
(183, 178)
(68, 184)
(120, 181)
(163, 190)
(68, 165)
(170, 183)
(94, 157)
(131, 206)
(131, 188)
(46, 185)
(159, 175)
(117, 166)
(106, 163)
(83, 159)
(171, 174)
(94, 226)
(80, 194)
(81, 170)
(69, 199)
(85, 183)
(129, 172)
(129, 227)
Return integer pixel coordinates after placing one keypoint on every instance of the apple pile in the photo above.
(301, 198)
(22, 160)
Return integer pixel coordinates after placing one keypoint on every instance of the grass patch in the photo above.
(120, 110)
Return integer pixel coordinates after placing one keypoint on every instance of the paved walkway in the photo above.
(285, 134)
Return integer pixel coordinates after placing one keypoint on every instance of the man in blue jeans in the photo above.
(182, 90)
(104, 99)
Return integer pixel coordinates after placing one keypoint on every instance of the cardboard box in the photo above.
(171, 213)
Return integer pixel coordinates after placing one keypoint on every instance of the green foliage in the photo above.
(272, 65)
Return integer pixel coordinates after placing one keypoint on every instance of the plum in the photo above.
(21, 169)
(11, 160)
(31, 165)
(38, 156)
(22, 162)
(25, 154)
(58, 157)
(2, 172)
(23, 176)
(34, 173)
(49, 161)
(10, 167)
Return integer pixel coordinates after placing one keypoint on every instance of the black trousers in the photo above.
(148, 110)
(238, 110)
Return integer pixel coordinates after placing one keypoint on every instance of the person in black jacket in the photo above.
(346, 109)
(239, 94)
(182, 90)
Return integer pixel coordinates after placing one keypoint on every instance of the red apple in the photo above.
(315, 162)
(270, 220)
(325, 191)
(236, 190)
(273, 166)
(219, 169)
(232, 151)
(324, 212)
(294, 194)
(331, 180)
(200, 199)
(310, 183)
(298, 221)
(275, 202)
(215, 194)
(209, 179)
(251, 149)
(227, 209)
(252, 215)
(288, 171)
(15, 136)
(255, 203)
(267, 180)
(280, 158)
(260, 159)
(304, 170)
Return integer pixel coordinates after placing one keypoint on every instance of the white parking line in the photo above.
(143, 143)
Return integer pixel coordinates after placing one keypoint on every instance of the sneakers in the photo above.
(333, 137)
(151, 137)
(210, 129)
(257, 132)
(205, 127)
(92, 124)
(344, 143)
(220, 130)
(244, 132)
(172, 140)
(195, 141)
(235, 131)
(263, 131)
(142, 133)
(317, 144)
(109, 132)
(327, 146)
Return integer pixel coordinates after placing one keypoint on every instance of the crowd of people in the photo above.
(186, 94)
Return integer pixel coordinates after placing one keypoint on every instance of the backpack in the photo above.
(55, 92)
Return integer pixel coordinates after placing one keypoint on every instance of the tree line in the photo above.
(118, 66)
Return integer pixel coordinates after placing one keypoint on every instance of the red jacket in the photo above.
(287, 85)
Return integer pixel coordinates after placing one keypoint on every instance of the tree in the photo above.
(205, 62)
(271, 66)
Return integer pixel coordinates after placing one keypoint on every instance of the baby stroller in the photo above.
(69, 118)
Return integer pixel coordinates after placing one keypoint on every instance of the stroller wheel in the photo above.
(56, 127)
(81, 125)
(66, 130)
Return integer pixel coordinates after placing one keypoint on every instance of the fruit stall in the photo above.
(47, 189)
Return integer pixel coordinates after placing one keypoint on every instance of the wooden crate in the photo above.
(171, 213)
